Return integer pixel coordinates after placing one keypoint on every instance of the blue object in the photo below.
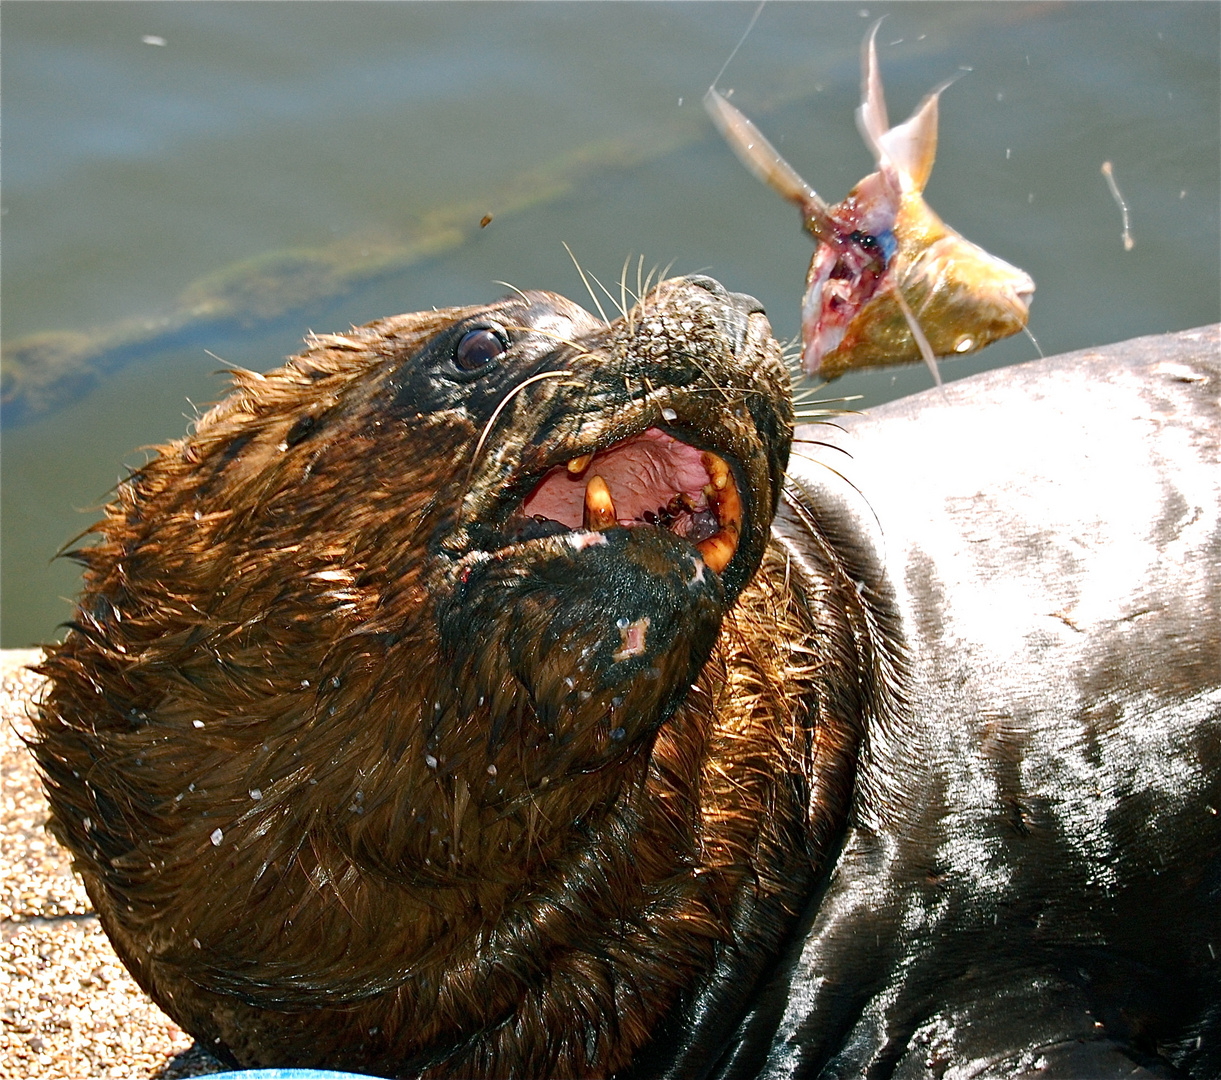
(287, 1074)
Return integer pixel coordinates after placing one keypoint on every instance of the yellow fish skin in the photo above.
(890, 282)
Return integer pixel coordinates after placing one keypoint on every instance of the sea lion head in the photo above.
(354, 730)
(616, 499)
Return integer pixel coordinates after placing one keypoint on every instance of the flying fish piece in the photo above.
(890, 282)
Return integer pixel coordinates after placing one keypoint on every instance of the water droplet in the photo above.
(430, 761)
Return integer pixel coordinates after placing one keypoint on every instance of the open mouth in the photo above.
(651, 480)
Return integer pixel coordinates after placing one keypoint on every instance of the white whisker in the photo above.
(621, 309)
(487, 428)
(515, 289)
(623, 304)
(588, 288)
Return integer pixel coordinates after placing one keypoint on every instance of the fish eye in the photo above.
(880, 245)
(479, 348)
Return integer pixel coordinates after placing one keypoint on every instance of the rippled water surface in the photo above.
(176, 174)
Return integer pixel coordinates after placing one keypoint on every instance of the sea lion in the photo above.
(415, 717)
(490, 692)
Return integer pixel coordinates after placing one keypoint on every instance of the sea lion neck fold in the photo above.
(441, 706)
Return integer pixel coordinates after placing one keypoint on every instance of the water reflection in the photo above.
(134, 171)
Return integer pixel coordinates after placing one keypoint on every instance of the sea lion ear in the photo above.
(904, 153)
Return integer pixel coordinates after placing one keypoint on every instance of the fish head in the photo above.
(890, 282)
(892, 272)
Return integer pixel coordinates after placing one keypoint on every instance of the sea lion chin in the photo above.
(423, 712)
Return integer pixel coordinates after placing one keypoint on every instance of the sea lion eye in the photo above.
(476, 349)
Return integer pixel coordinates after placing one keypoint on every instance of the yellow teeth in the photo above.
(718, 550)
(718, 470)
(599, 507)
(723, 497)
(579, 464)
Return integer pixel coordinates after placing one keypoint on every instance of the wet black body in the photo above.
(1030, 880)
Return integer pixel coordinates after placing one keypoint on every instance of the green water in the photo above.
(132, 170)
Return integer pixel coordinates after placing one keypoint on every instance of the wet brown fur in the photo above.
(290, 814)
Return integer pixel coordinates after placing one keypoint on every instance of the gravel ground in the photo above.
(69, 1007)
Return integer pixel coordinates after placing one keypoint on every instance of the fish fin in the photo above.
(871, 116)
(912, 145)
(922, 343)
(904, 153)
(764, 160)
